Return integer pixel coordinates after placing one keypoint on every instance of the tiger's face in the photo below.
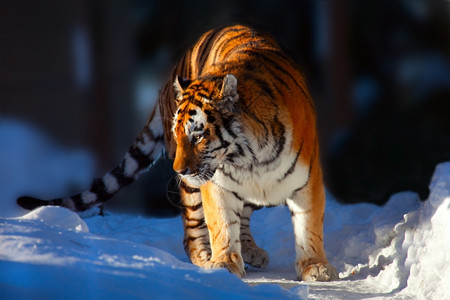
(203, 126)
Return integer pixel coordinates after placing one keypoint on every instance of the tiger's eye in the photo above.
(197, 138)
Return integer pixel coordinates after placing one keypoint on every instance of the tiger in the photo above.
(237, 119)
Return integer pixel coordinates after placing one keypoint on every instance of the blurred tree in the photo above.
(379, 72)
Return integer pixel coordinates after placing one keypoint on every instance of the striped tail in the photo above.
(145, 150)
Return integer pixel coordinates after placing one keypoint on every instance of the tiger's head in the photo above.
(205, 126)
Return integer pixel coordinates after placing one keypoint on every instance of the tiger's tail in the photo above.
(146, 149)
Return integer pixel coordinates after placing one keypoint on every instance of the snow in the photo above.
(398, 251)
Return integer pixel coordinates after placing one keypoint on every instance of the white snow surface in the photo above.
(398, 251)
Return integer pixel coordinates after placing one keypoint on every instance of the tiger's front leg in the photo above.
(223, 216)
(196, 236)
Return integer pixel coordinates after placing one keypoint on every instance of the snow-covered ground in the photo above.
(399, 251)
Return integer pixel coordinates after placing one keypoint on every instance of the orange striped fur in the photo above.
(238, 121)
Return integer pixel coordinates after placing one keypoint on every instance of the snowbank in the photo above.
(398, 251)
(411, 256)
(44, 257)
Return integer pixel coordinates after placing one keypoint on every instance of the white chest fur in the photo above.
(265, 185)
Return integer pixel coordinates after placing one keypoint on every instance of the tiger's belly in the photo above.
(264, 185)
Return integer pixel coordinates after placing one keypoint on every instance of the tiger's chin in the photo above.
(192, 181)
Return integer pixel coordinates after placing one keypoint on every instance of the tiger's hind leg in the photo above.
(307, 210)
(196, 236)
(251, 253)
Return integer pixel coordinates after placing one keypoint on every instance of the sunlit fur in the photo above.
(237, 119)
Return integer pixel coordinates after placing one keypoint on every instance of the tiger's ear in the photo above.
(228, 93)
(179, 85)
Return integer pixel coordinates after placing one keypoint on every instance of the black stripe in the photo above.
(280, 142)
(218, 42)
(122, 179)
(98, 187)
(254, 160)
(58, 202)
(218, 132)
(264, 141)
(287, 61)
(142, 159)
(263, 85)
(207, 46)
(222, 46)
(210, 119)
(233, 223)
(199, 225)
(229, 176)
(31, 203)
(224, 145)
(231, 156)
(238, 197)
(253, 206)
(195, 87)
(194, 207)
(199, 128)
(193, 101)
(250, 66)
(247, 234)
(203, 95)
(240, 152)
(188, 189)
(294, 163)
(275, 64)
(193, 238)
(245, 219)
(307, 180)
(240, 149)
(149, 133)
(204, 156)
(79, 205)
(203, 50)
(227, 122)
(152, 138)
(250, 44)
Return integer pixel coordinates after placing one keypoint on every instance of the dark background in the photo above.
(87, 72)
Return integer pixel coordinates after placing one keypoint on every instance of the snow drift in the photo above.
(400, 250)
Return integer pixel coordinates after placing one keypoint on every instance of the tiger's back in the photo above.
(239, 123)
(261, 68)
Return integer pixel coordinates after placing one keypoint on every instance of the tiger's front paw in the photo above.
(319, 272)
(255, 256)
(233, 263)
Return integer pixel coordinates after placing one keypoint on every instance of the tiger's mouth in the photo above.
(200, 177)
